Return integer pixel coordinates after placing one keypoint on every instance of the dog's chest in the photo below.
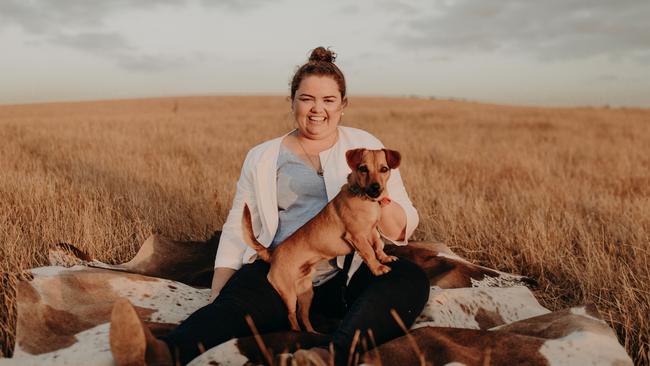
(366, 213)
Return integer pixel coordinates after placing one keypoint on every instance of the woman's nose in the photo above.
(318, 106)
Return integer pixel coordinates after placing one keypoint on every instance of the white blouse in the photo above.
(257, 188)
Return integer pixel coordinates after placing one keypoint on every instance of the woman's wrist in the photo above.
(219, 280)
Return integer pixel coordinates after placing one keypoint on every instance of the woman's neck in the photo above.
(315, 146)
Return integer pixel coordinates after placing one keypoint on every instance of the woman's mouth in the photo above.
(316, 118)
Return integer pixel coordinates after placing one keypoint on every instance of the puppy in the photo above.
(348, 222)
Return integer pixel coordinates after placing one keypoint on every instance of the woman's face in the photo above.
(317, 107)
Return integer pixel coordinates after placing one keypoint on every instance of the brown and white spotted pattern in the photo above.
(475, 315)
(574, 336)
(63, 312)
(478, 308)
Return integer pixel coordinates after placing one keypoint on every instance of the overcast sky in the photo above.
(543, 52)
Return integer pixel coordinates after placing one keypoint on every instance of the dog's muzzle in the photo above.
(373, 190)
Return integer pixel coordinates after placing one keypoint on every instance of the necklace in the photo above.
(317, 167)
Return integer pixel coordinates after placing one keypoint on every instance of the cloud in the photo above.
(607, 77)
(42, 16)
(348, 9)
(235, 5)
(152, 63)
(115, 47)
(81, 25)
(94, 42)
(399, 7)
(549, 30)
(45, 16)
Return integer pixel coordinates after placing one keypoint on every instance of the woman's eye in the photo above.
(363, 169)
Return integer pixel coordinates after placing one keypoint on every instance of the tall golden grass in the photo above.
(561, 195)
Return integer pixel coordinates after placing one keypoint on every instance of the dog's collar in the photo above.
(357, 191)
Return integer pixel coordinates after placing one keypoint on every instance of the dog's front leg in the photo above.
(363, 246)
(378, 245)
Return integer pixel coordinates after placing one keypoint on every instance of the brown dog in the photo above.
(347, 222)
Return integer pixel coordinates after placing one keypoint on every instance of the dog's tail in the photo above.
(249, 236)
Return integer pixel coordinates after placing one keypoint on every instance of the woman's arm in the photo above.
(398, 218)
(393, 221)
(231, 243)
(221, 276)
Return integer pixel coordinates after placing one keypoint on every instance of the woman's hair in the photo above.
(320, 63)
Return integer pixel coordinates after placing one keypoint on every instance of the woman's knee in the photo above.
(414, 278)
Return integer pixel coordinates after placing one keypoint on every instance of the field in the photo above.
(561, 195)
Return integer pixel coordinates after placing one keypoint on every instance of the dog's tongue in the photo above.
(384, 201)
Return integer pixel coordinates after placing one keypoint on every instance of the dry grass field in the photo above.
(561, 195)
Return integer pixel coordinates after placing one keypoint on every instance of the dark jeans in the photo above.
(364, 304)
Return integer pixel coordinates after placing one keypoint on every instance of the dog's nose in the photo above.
(374, 190)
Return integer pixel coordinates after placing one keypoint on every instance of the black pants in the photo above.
(364, 304)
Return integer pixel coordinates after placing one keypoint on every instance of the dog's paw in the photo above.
(380, 270)
(388, 259)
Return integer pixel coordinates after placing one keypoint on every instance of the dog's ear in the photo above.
(393, 158)
(354, 157)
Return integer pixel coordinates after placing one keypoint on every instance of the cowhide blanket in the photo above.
(475, 315)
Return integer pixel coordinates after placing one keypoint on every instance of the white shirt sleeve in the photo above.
(231, 248)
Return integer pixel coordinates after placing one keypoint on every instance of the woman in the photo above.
(285, 182)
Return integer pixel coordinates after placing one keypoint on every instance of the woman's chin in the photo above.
(317, 125)
(318, 130)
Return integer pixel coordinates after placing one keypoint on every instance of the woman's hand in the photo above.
(221, 276)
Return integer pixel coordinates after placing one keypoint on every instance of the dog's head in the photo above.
(371, 170)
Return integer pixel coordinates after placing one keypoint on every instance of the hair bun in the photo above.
(323, 55)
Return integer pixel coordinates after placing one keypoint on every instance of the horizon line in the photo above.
(398, 96)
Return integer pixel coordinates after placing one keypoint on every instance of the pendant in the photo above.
(320, 172)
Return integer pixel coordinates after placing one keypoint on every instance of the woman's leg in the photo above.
(405, 288)
(247, 292)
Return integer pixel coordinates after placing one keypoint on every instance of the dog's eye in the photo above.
(384, 169)
(363, 169)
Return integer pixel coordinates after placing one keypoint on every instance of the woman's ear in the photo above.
(344, 102)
